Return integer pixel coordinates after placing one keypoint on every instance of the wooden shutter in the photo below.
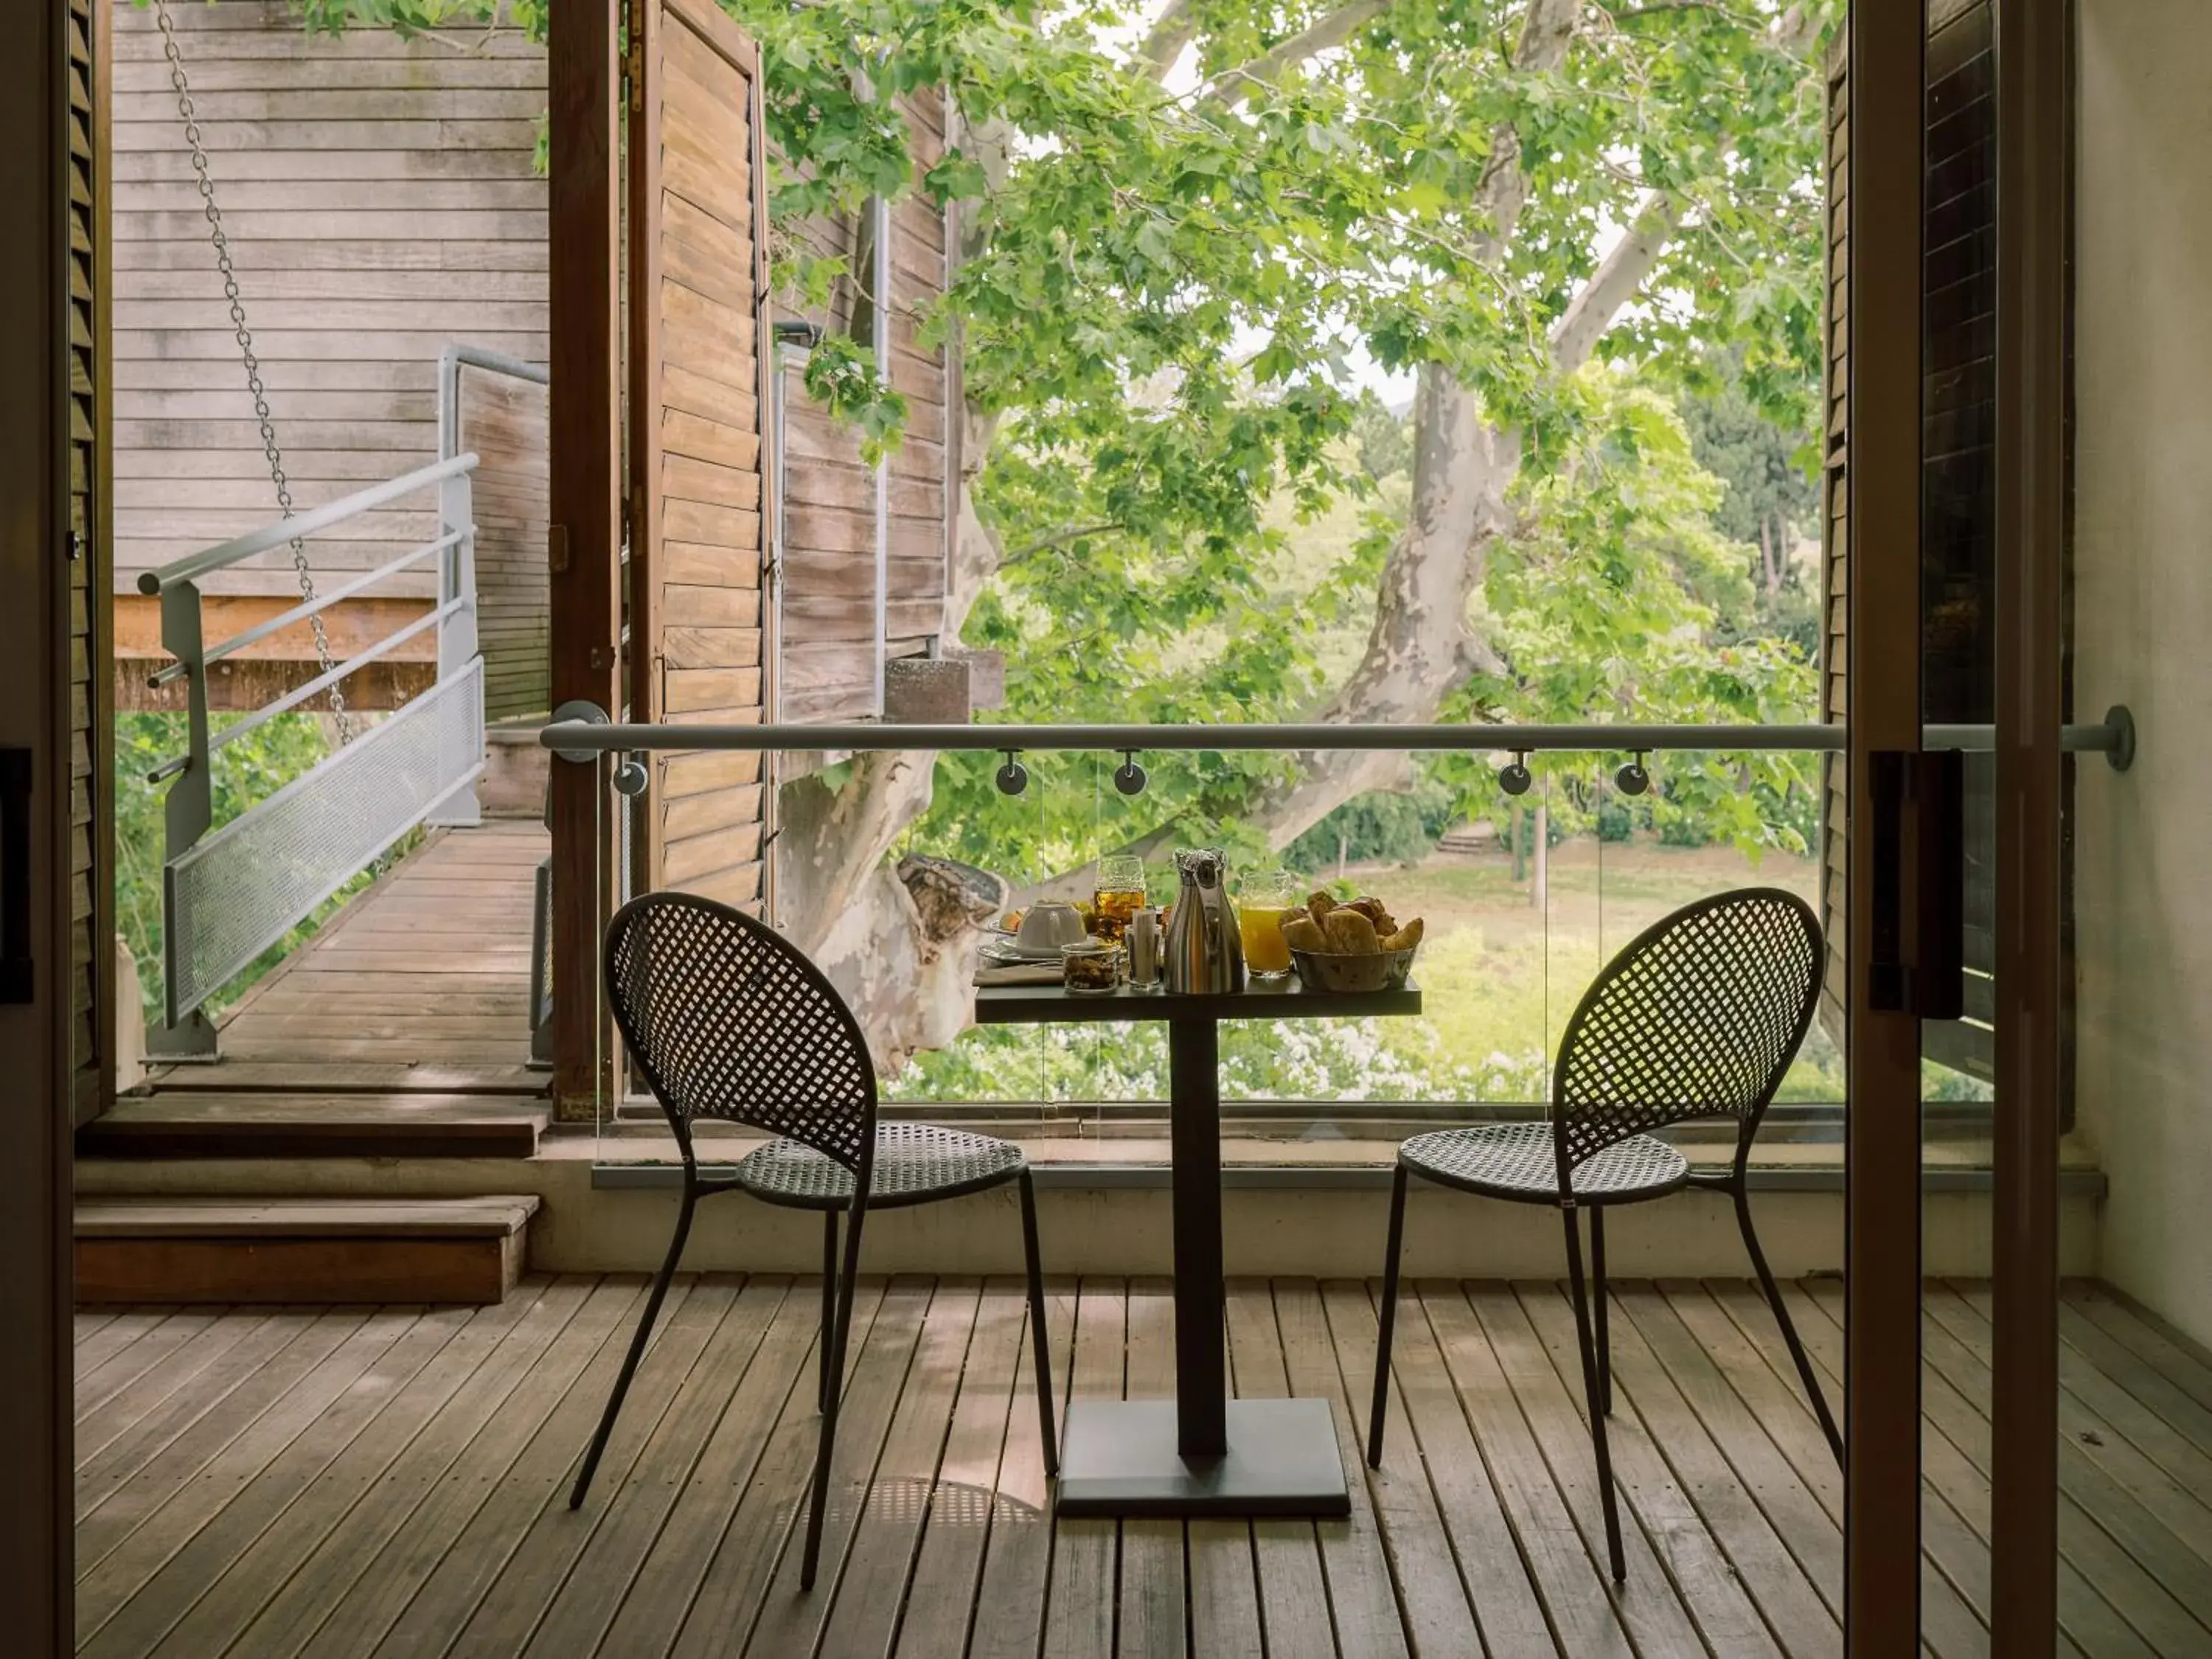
(91, 756)
(698, 441)
(1835, 542)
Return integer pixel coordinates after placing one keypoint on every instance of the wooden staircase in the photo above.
(315, 1250)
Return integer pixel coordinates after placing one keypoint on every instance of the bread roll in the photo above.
(1319, 905)
(1350, 934)
(1405, 938)
(1303, 933)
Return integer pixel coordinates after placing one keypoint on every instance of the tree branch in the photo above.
(1616, 281)
(1333, 30)
(1170, 33)
(1058, 538)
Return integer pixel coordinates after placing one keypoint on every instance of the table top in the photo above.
(1260, 998)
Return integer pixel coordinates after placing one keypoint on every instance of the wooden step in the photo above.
(187, 1123)
(317, 1251)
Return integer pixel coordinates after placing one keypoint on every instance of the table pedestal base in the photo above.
(1119, 1457)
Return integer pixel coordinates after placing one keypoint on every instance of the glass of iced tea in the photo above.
(1264, 898)
(1119, 894)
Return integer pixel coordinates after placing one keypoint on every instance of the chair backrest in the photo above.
(1698, 1016)
(728, 1019)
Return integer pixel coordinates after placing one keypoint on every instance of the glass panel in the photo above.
(1958, 603)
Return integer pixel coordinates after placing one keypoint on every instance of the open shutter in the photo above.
(1835, 540)
(698, 276)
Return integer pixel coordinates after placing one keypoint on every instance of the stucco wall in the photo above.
(2143, 636)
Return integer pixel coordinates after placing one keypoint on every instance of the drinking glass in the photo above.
(1264, 898)
(1119, 893)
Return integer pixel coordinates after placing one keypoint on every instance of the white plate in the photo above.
(1009, 949)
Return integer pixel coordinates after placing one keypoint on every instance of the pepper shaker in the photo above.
(1144, 949)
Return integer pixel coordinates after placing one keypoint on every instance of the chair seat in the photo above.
(914, 1164)
(1521, 1161)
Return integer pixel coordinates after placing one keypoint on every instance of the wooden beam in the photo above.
(586, 535)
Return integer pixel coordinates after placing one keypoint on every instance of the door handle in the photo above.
(1917, 960)
(15, 979)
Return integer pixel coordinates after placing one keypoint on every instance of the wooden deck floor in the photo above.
(391, 1480)
(421, 984)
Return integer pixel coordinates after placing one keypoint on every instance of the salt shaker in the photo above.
(1143, 941)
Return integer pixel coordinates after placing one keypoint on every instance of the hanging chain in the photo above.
(222, 260)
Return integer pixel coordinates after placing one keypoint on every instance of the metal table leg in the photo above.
(1200, 1453)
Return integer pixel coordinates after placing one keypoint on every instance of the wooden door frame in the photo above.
(584, 517)
(1881, 1404)
(2034, 158)
(36, 1551)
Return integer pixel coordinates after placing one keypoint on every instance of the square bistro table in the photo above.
(1200, 1453)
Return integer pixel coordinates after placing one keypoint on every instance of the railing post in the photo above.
(457, 624)
(186, 813)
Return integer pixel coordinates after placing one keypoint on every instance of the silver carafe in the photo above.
(1204, 952)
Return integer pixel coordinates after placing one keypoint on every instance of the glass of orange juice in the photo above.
(1264, 898)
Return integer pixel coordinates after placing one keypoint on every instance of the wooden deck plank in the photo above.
(1322, 1363)
(652, 1610)
(1080, 1607)
(1018, 1556)
(790, 1622)
(380, 1589)
(2178, 1363)
(1955, 1517)
(493, 1581)
(1291, 1582)
(2179, 1409)
(139, 1594)
(1651, 1338)
(1737, 1329)
(771, 1502)
(394, 1480)
(297, 1596)
(1719, 1505)
(103, 1333)
(878, 1567)
(1668, 1552)
(166, 1447)
(965, 1504)
(1153, 1620)
(1458, 1567)
(217, 1608)
(156, 1350)
(1571, 1579)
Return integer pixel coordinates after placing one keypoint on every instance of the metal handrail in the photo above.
(307, 608)
(580, 740)
(310, 523)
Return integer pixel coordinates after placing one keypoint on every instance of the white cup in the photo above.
(1050, 924)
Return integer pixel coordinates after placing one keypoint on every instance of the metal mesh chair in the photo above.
(1699, 1017)
(728, 1020)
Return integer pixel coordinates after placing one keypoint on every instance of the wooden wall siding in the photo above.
(91, 738)
(698, 535)
(827, 667)
(1835, 542)
(504, 421)
(380, 201)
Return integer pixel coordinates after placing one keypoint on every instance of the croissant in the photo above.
(1405, 938)
(1349, 932)
(1319, 905)
(1302, 933)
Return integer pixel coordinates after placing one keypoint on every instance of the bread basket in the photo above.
(1367, 971)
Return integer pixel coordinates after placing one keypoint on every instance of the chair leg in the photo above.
(836, 1338)
(1803, 1361)
(829, 1303)
(1597, 1284)
(1389, 1321)
(1609, 1499)
(636, 1345)
(1040, 1339)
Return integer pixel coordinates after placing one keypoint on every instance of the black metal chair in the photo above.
(728, 1019)
(1699, 1017)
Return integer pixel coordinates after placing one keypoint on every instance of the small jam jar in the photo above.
(1093, 967)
